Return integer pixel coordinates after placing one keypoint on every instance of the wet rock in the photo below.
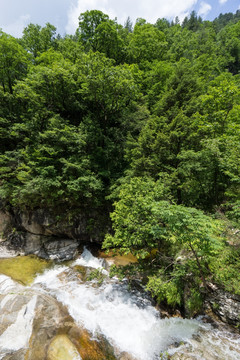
(7, 253)
(60, 249)
(50, 316)
(82, 272)
(91, 349)
(212, 345)
(126, 356)
(29, 320)
(61, 348)
(35, 326)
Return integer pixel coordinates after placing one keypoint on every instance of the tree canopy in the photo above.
(139, 120)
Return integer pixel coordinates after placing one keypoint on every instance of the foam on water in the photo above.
(128, 321)
(87, 259)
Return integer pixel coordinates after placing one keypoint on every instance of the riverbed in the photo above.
(63, 312)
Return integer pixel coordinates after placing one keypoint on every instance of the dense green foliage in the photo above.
(143, 119)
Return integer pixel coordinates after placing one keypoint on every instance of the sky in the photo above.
(17, 14)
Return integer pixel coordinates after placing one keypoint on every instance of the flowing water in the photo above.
(125, 318)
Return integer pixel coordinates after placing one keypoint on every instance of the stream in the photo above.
(61, 302)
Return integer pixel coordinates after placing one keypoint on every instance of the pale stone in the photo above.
(61, 348)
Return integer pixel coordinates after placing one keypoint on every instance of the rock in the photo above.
(5, 223)
(60, 249)
(29, 321)
(18, 355)
(48, 233)
(61, 348)
(35, 326)
(6, 253)
(46, 247)
(16, 318)
(209, 345)
(90, 349)
(225, 305)
(126, 356)
(48, 223)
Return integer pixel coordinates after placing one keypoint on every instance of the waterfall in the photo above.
(125, 318)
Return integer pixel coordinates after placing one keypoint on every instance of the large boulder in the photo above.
(61, 348)
(35, 326)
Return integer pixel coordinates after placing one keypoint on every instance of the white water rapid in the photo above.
(126, 319)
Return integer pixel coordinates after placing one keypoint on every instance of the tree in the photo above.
(162, 24)
(36, 39)
(50, 87)
(193, 22)
(107, 41)
(14, 61)
(108, 93)
(88, 23)
(54, 170)
(70, 48)
(147, 43)
(156, 231)
(229, 46)
(128, 25)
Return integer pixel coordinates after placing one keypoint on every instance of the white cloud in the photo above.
(150, 10)
(222, 1)
(204, 9)
(82, 6)
(15, 28)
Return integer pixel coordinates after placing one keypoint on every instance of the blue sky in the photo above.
(16, 14)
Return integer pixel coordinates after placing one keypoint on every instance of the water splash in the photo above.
(125, 318)
(128, 321)
(87, 259)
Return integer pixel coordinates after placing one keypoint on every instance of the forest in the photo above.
(139, 123)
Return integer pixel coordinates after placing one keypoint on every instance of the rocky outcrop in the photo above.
(46, 247)
(81, 226)
(49, 234)
(224, 304)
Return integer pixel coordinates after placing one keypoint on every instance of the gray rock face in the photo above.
(46, 234)
(46, 247)
(46, 223)
(225, 305)
(5, 224)
(60, 249)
